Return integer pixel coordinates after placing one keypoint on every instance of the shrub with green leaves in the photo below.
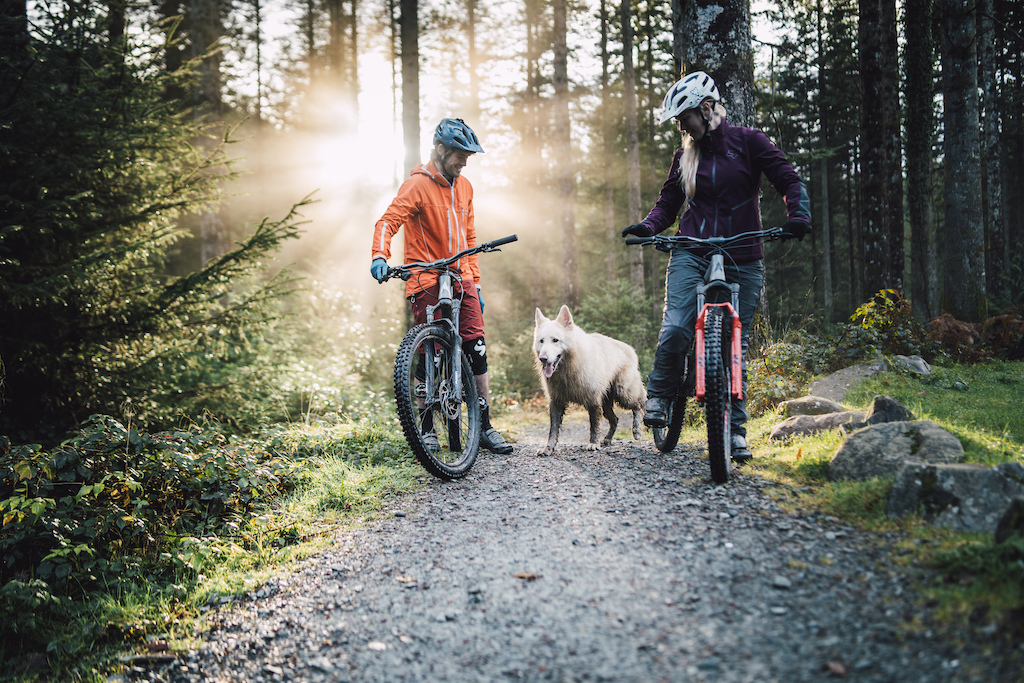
(886, 322)
(112, 505)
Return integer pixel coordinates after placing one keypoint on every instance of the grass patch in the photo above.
(216, 517)
(979, 583)
(980, 404)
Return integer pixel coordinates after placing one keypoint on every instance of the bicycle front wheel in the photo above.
(437, 406)
(717, 394)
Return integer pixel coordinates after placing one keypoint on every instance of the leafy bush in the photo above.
(779, 374)
(112, 505)
(887, 322)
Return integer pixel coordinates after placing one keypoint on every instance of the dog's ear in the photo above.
(538, 318)
(564, 316)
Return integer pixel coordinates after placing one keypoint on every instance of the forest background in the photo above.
(143, 143)
(189, 188)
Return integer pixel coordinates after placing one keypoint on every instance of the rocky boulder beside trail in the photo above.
(881, 450)
(799, 425)
(804, 421)
(809, 405)
(962, 497)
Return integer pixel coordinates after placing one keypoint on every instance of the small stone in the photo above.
(781, 582)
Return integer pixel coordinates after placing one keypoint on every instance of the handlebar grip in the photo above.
(503, 240)
(638, 240)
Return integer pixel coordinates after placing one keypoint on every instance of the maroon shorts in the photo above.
(471, 320)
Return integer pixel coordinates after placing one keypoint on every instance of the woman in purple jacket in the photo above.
(715, 180)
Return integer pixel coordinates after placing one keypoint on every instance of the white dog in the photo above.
(591, 370)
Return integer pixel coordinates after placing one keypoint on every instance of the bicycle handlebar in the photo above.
(770, 234)
(404, 271)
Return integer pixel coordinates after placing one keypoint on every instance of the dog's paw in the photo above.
(545, 452)
(591, 446)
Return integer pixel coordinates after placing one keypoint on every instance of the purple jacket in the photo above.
(728, 186)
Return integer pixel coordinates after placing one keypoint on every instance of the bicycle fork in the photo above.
(715, 280)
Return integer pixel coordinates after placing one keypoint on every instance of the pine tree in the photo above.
(92, 193)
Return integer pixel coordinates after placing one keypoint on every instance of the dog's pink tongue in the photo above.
(549, 370)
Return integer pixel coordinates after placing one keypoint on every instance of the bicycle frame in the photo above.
(449, 307)
(435, 392)
(714, 281)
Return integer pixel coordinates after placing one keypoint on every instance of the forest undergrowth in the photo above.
(120, 539)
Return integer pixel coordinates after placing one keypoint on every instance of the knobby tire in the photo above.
(717, 395)
(457, 425)
(666, 438)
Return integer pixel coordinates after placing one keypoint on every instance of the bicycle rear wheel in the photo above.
(441, 421)
(717, 394)
(666, 438)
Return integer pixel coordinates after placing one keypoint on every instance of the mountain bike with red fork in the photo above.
(713, 367)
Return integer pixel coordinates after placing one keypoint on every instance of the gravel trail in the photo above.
(621, 564)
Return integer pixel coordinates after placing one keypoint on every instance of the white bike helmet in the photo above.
(688, 93)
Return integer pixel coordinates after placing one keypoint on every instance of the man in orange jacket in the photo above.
(435, 204)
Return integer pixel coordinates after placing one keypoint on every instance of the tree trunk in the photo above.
(342, 55)
(532, 147)
(996, 255)
(410, 34)
(564, 174)
(872, 146)
(205, 30)
(14, 29)
(722, 46)
(825, 238)
(636, 258)
(895, 223)
(612, 266)
(473, 108)
(964, 273)
(920, 127)
(115, 21)
(679, 38)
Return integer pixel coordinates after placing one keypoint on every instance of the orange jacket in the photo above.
(438, 220)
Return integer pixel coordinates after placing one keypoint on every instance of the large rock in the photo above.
(914, 364)
(887, 409)
(801, 425)
(962, 497)
(809, 405)
(834, 386)
(881, 450)
(1012, 522)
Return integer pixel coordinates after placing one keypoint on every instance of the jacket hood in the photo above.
(431, 171)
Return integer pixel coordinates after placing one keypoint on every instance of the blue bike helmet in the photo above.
(455, 134)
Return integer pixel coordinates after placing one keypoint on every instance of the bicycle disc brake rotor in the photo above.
(448, 402)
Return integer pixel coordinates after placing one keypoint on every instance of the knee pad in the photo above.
(476, 352)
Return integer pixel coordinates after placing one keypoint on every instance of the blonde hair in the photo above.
(691, 154)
